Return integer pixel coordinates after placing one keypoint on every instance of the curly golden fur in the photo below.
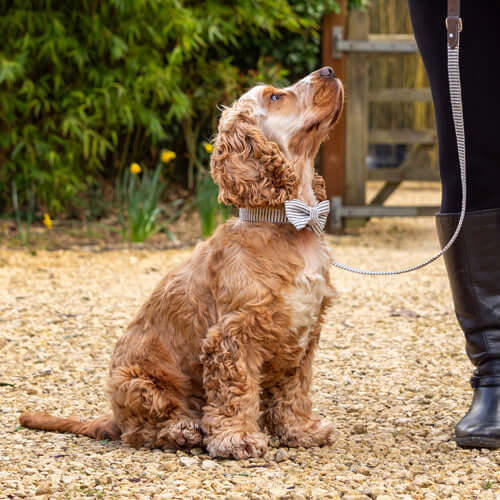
(250, 170)
(223, 349)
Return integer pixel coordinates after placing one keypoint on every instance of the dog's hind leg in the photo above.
(152, 408)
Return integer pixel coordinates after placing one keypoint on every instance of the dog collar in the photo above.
(294, 212)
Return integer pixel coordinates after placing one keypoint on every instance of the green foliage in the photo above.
(357, 4)
(23, 226)
(87, 85)
(137, 199)
(296, 50)
(208, 207)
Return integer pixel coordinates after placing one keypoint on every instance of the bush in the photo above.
(298, 52)
(137, 197)
(209, 208)
(88, 86)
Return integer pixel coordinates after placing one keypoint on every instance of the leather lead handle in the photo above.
(453, 23)
(454, 8)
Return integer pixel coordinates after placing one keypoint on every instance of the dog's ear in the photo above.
(250, 171)
(319, 187)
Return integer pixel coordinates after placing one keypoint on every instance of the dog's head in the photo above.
(267, 135)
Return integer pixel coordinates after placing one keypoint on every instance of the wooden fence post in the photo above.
(343, 157)
(333, 151)
(356, 111)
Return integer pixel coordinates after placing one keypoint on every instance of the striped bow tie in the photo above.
(301, 215)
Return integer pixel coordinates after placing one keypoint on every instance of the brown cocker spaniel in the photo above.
(223, 349)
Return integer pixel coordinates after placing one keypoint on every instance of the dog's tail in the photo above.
(101, 428)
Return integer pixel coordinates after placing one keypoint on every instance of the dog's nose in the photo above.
(327, 72)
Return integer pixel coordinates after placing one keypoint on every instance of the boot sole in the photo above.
(477, 442)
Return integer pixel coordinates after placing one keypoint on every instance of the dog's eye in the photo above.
(275, 97)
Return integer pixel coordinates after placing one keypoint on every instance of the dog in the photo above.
(223, 349)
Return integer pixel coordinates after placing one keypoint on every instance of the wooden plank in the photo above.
(356, 110)
(376, 47)
(402, 136)
(335, 224)
(419, 166)
(396, 175)
(385, 211)
(384, 37)
(332, 155)
(400, 95)
(387, 189)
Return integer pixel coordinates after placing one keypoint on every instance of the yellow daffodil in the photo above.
(166, 156)
(47, 221)
(135, 168)
(208, 147)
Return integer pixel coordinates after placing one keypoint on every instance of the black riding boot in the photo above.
(473, 265)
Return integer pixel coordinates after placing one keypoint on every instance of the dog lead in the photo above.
(454, 26)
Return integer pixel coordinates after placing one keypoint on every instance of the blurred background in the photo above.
(108, 109)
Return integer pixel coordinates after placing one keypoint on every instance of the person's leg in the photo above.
(480, 74)
(473, 262)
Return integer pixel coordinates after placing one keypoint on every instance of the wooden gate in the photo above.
(343, 157)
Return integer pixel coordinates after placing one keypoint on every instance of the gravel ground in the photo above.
(391, 373)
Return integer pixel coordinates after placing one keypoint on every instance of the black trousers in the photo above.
(480, 76)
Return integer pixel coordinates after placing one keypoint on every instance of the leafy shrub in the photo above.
(208, 206)
(137, 199)
(298, 52)
(23, 226)
(86, 86)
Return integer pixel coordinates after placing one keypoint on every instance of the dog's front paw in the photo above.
(239, 445)
(180, 434)
(314, 432)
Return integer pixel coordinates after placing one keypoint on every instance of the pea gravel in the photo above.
(391, 373)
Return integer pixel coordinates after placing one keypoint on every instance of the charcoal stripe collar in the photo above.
(295, 212)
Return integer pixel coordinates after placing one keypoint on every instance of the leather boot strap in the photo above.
(476, 381)
(453, 22)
